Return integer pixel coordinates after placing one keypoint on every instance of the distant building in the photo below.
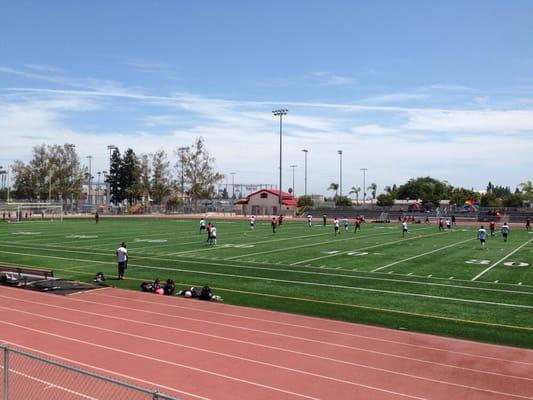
(266, 202)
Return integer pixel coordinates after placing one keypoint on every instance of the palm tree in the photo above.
(373, 188)
(355, 190)
(334, 186)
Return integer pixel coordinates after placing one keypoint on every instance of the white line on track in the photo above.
(421, 255)
(202, 370)
(500, 260)
(270, 347)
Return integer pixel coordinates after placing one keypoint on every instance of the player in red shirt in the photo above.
(274, 224)
(492, 227)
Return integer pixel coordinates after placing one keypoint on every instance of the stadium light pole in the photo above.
(340, 170)
(90, 158)
(232, 184)
(364, 184)
(98, 189)
(305, 171)
(280, 113)
(293, 168)
(111, 148)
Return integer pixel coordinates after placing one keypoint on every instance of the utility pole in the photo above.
(340, 163)
(293, 190)
(233, 185)
(90, 178)
(364, 185)
(305, 171)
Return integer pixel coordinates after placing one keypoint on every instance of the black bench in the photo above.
(23, 273)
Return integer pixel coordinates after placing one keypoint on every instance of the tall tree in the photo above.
(54, 171)
(144, 176)
(160, 176)
(198, 170)
(130, 176)
(527, 190)
(114, 178)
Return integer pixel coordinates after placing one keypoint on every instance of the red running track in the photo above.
(201, 350)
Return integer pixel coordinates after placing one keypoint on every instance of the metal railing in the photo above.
(29, 376)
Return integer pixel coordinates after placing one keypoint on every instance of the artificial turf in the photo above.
(422, 282)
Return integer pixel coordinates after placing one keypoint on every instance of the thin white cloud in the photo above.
(243, 135)
(329, 78)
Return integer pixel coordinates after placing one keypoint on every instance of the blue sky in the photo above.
(405, 89)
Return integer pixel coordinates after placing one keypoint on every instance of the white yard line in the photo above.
(253, 267)
(363, 248)
(421, 255)
(261, 278)
(500, 260)
(352, 237)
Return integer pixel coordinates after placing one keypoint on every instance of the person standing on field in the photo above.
(122, 259)
(505, 231)
(482, 236)
(404, 228)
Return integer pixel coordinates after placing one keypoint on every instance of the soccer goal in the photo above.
(33, 212)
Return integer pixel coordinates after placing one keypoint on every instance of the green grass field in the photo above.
(428, 281)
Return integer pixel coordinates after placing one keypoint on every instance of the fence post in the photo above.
(6, 373)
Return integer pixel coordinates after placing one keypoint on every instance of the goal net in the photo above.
(35, 212)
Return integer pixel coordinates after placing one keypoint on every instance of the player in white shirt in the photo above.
(309, 219)
(213, 239)
(202, 225)
(252, 222)
(122, 259)
(336, 226)
(345, 223)
(482, 236)
(448, 223)
(505, 231)
(404, 228)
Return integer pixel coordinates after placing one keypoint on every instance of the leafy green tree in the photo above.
(160, 176)
(53, 168)
(225, 194)
(199, 173)
(458, 196)
(343, 201)
(305, 201)
(117, 190)
(501, 191)
(512, 200)
(488, 200)
(385, 200)
(130, 175)
(144, 175)
(527, 190)
(427, 189)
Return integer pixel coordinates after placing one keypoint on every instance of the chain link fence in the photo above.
(29, 376)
